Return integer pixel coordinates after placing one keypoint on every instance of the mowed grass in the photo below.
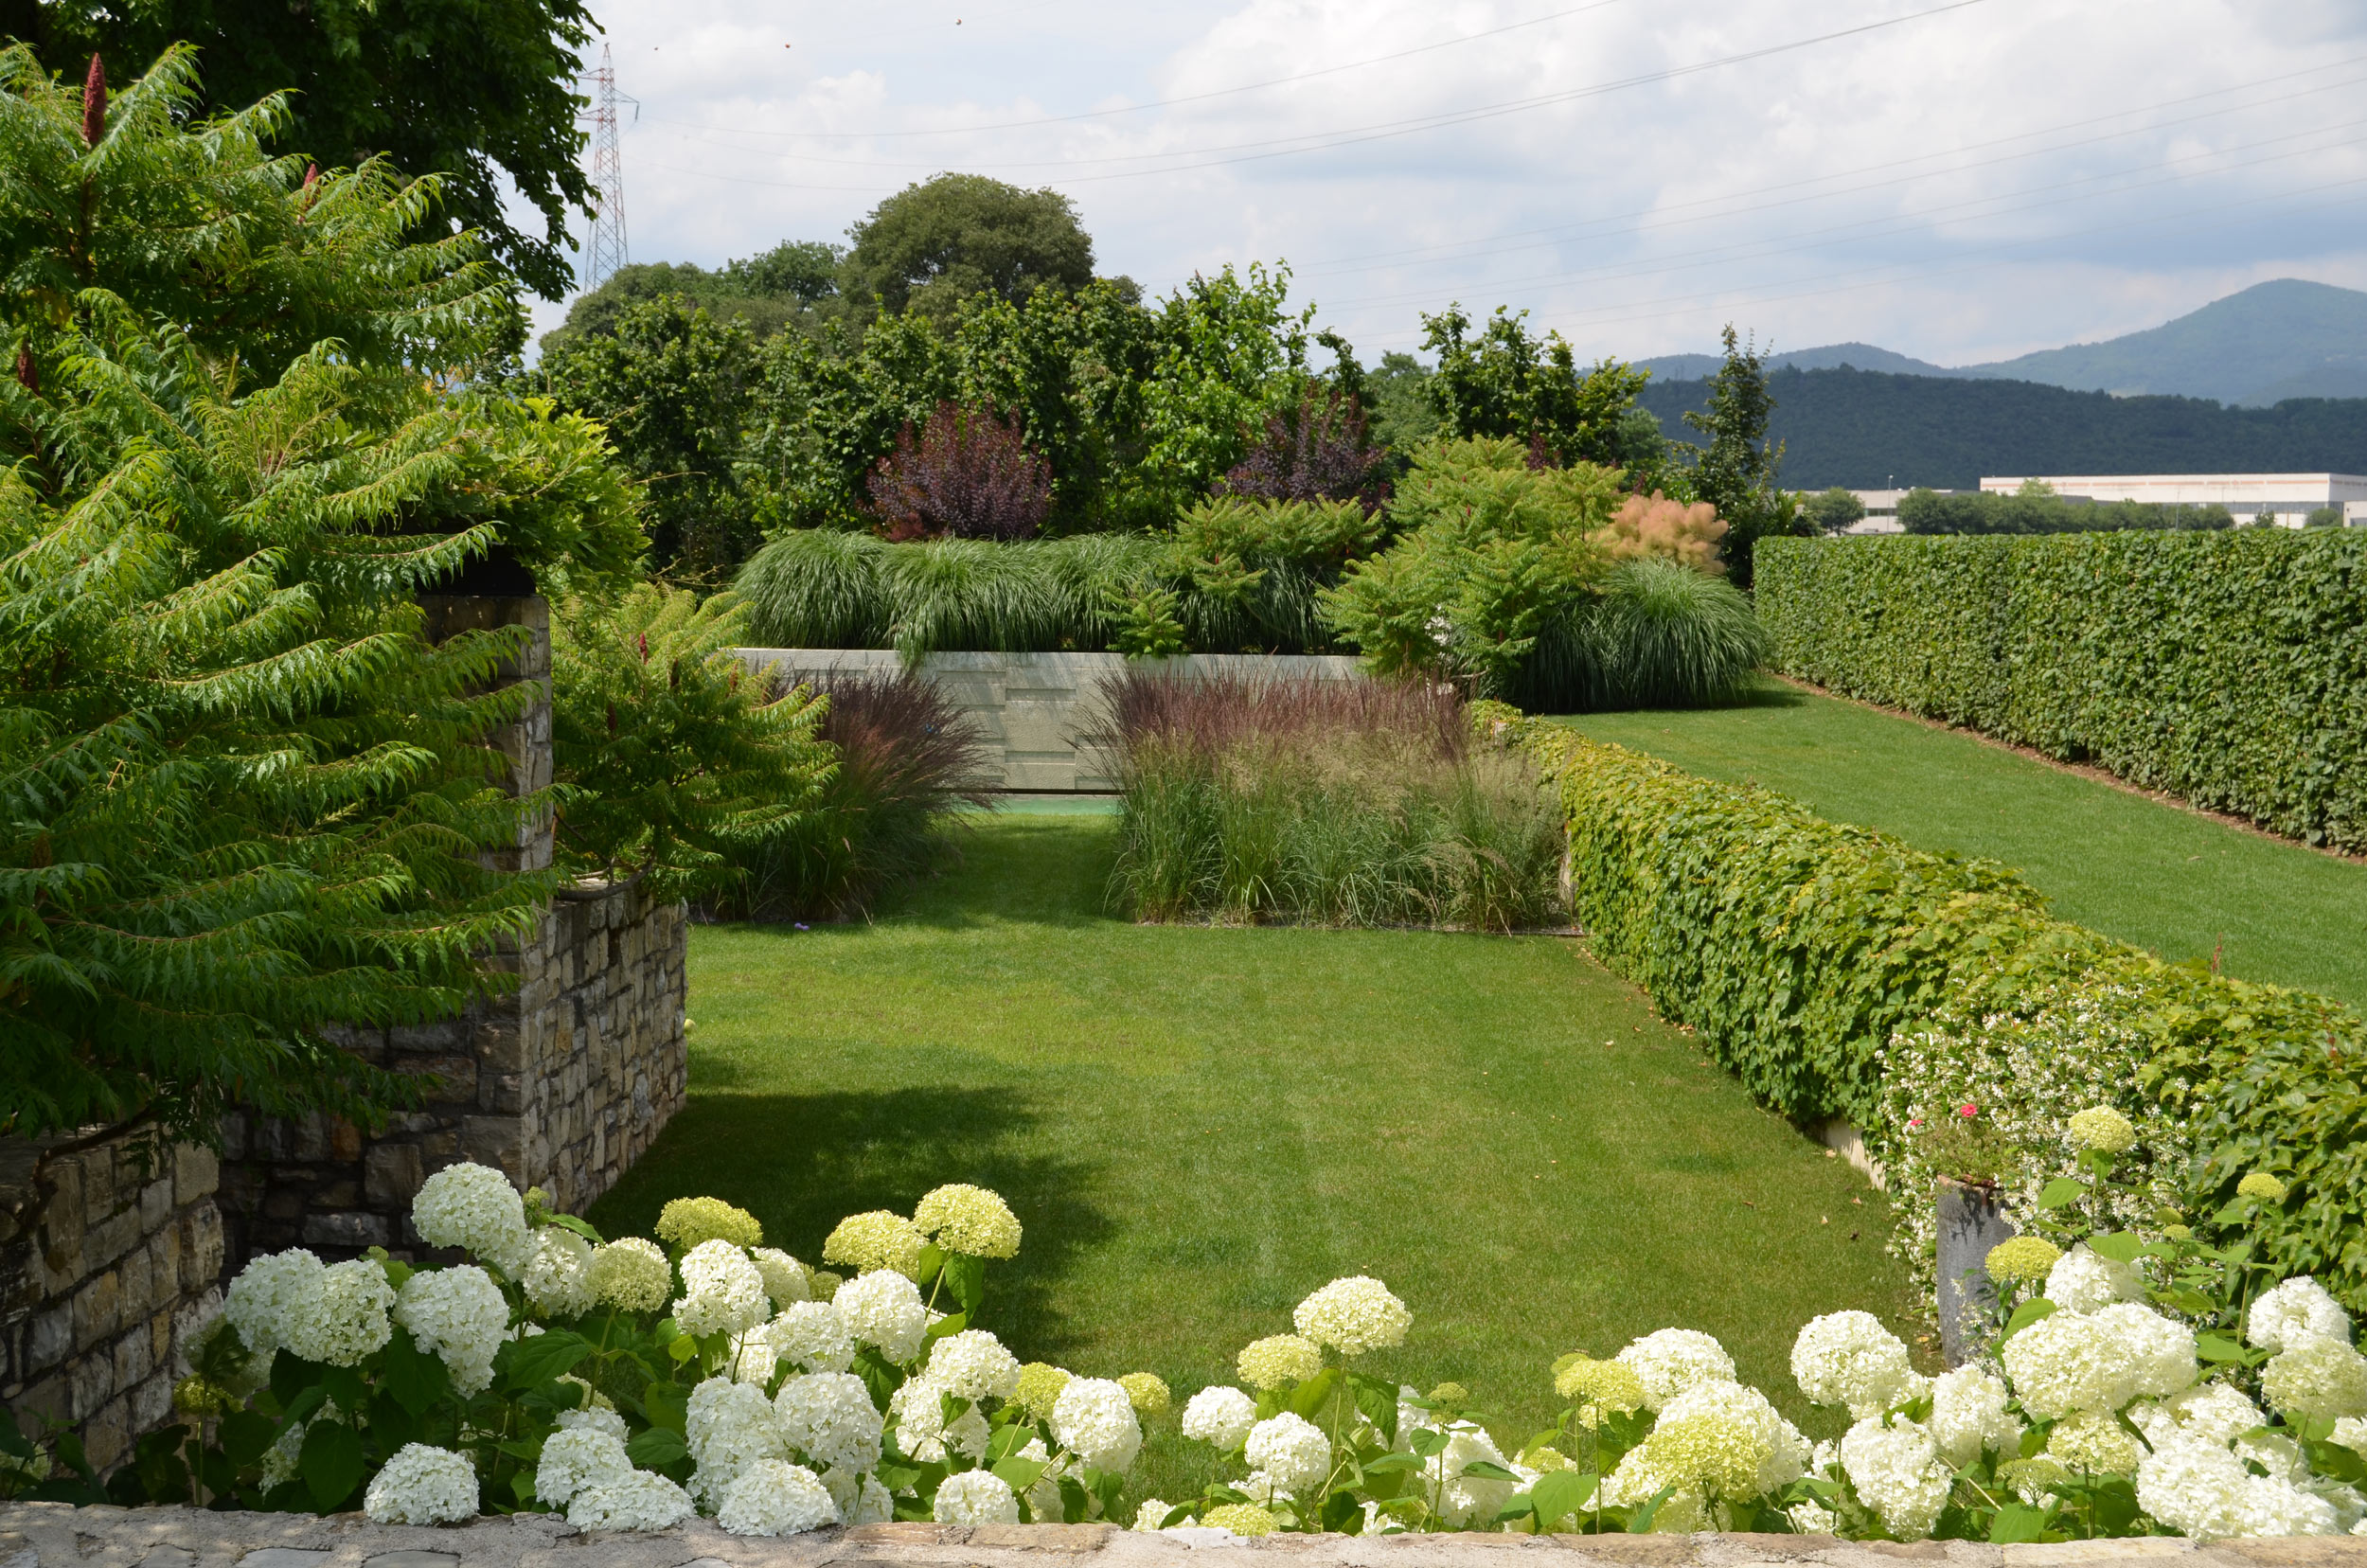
(1198, 1126)
(2170, 879)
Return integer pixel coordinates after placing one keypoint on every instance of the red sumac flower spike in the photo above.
(27, 375)
(95, 102)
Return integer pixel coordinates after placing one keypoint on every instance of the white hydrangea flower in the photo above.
(884, 1308)
(829, 1416)
(1261, 1488)
(921, 1432)
(2320, 1378)
(1354, 1315)
(474, 1207)
(860, 1499)
(975, 1497)
(1897, 1473)
(2351, 1433)
(1152, 1515)
(259, 1299)
(2273, 1452)
(557, 1276)
(1812, 1518)
(812, 1336)
(1785, 1449)
(774, 1497)
(784, 1276)
(576, 1457)
(2068, 1361)
(2160, 1351)
(632, 1274)
(2202, 1489)
(1670, 1361)
(753, 1358)
(340, 1319)
(1969, 1414)
(1292, 1450)
(973, 1365)
(2215, 1411)
(1463, 1499)
(1219, 1416)
(1850, 1359)
(1046, 1506)
(2093, 1442)
(594, 1418)
(2292, 1310)
(722, 1294)
(421, 1486)
(1095, 1419)
(642, 1501)
(1633, 1483)
(460, 1315)
(2084, 1281)
(730, 1426)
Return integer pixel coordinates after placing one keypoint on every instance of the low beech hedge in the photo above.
(1796, 948)
(2229, 668)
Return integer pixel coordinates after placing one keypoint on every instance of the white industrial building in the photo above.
(2287, 497)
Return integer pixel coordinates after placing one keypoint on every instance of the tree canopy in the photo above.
(478, 91)
(937, 242)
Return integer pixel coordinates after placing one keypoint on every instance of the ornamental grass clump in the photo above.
(1349, 803)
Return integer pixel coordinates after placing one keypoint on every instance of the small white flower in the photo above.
(811, 1336)
(642, 1501)
(474, 1208)
(1850, 1359)
(1292, 1450)
(340, 1319)
(1897, 1473)
(258, 1301)
(1095, 1419)
(829, 1416)
(784, 1276)
(975, 1497)
(2322, 1379)
(722, 1292)
(922, 1430)
(1670, 1361)
(884, 1308)
(2293, 1311)
(973, 1365)
(459, 1314)
(576, 1457)
(1219, 1416)
(774, 1497)
(2083, 1281)
(422, 1485)
(1969, 1414)
(557, 1276)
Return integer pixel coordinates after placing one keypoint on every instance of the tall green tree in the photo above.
(1504, 381)
(672, 385)
(935, 243)
(1736, 470)
(479, 90)
(243, 795)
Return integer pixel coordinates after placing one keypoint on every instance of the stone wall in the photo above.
(563, 1083)
(108, 1263)
(1035, 709)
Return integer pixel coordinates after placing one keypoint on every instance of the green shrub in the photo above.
(1342, 802)
(1665, 636)
(1800, 948)
(2226, 668)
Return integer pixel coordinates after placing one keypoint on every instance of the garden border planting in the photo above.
(1804, 951)
(2226, 668)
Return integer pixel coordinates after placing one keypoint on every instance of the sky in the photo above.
(1958, 180)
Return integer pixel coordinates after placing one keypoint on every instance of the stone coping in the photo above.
(54, 1535)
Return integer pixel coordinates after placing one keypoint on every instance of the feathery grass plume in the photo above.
(1341, 802)
(1666, 635)
(907, 760)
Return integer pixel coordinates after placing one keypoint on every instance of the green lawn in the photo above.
(2169, 879)
(1198, 1126)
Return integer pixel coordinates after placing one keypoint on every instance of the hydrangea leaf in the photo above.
(330, 1463)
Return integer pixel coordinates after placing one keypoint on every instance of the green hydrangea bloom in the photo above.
(1278, 1360)
(1148, 1391)
(878, 1240)
(2104, 1130)
(1242, 1518)
(688, 1221)
(1040, 1386)
(2262, 1185)
(2023, 1257)
(970, 1220)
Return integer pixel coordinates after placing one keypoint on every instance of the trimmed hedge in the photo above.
(1795, 947)
(2229, 668)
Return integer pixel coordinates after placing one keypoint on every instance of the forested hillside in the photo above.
(1868, 430)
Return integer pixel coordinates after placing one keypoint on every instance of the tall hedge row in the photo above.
(2229, 668)
(1796, 946)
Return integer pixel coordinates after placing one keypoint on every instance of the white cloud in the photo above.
(2007, 175)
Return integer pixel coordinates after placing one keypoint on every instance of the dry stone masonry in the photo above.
(109, 1257)
(39, 1535)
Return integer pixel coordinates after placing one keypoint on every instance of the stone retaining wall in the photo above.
(563, 1083)
(1034, 709)
(38, 1535)
(108, 1263)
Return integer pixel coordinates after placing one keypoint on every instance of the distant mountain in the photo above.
(1857, 356)
(1868, 430)
(2283, 339)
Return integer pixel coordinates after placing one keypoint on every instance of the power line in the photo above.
(1165, 103)
(1324, 141)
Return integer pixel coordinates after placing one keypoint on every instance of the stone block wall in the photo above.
(1034, 710)
(109, 1262)
(563, 1083)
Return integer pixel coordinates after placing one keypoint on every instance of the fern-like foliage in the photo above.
(241, 798)
(676, 765)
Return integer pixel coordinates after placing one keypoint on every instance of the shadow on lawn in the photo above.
(1049, 870)
(802, 1163)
